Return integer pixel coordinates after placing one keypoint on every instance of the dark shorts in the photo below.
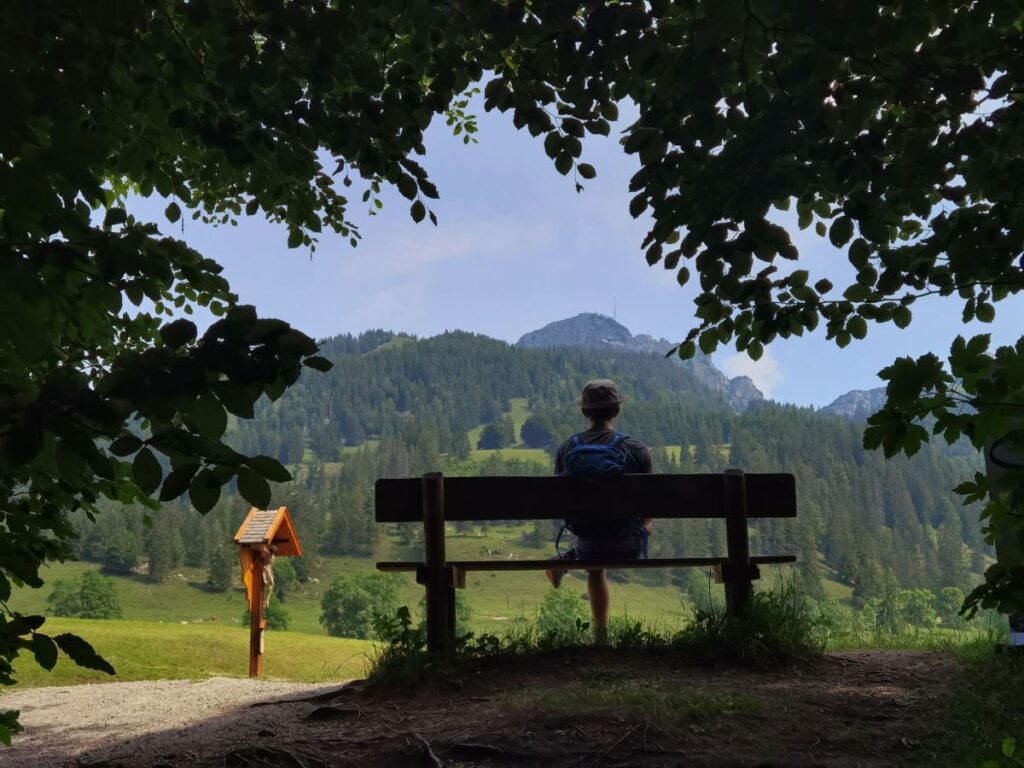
(627, 547)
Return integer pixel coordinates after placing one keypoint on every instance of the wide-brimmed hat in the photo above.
(598, 393)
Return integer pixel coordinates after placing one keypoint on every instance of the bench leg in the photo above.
(440, 597)
(440, 605)
(738, 570)
(450, 600)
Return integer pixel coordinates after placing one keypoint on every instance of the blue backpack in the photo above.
(598, 460)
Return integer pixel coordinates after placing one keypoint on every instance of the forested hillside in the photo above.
(467, 404)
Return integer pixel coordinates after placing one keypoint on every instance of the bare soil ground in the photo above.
(600, 708)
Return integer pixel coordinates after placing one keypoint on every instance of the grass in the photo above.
(985, 706)
(778, 627)
(477, 456)
(674, 452)
(146, 651)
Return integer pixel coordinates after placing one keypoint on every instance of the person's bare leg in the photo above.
(597, 589)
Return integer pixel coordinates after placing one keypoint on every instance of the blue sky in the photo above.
(516, 247)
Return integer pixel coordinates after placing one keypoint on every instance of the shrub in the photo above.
(947, 604)
(536, 433)
(562, 617)
(285, 579)
(353, 600)
(493, 436)
(90, 596)
(463, 613)
(277, 615)
(916, 607)
(778, 625)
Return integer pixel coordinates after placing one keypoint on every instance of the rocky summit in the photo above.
(857, 404)
(586, 330)
(591, 330)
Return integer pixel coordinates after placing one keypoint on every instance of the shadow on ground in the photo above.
(591, 708)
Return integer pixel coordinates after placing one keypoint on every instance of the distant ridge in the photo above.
(594, 331)
(857, 404)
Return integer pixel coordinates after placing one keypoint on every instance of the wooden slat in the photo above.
(553, 498)
(543, 565)
(260, 527)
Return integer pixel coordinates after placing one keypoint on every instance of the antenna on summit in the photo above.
(614, 312)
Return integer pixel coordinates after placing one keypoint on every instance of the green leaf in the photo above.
(236, 398)
(857, 292)
(294, 238)
(70, 463)
(860, 253)
(708, 341)
(82, 653)
(45, 650)
(204, 491)
(687, 350)
(552, 144)
(638, 205)
(407, 187)
(177, 481)
(172, 212)
(858, 327)
(418, 211)
(253, 488)
(209, 416)
(125, 445)
(1009, 747)
(178, 333)
(755, 349)
(902, 316)
(269, 468)
(318, 363)
(586, 170)
(115, 216)
(563, 163)
(841, 231)
(146, 471)
(9, 725)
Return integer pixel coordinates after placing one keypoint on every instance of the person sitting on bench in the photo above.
(600, 450)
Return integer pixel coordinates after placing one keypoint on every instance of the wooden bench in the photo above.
(436, 500)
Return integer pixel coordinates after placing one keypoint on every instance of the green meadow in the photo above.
(493, 597)
(142, 650)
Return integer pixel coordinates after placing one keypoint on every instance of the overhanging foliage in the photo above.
(894, 128)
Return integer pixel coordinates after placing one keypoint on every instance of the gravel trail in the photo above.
(139, 723)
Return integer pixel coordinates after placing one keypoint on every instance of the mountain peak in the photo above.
(594, 331)
(584, 330)
(857, 404)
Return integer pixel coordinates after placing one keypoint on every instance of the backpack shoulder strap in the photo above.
(576, 440)
(618, 439)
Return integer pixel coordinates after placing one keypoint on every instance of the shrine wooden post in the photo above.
(260, 531)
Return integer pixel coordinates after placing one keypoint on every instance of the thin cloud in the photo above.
(766, 373)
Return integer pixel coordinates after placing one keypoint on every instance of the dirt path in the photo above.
(142, 721)
(864, 710)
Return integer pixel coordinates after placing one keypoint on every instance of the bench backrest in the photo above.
(553, 498)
